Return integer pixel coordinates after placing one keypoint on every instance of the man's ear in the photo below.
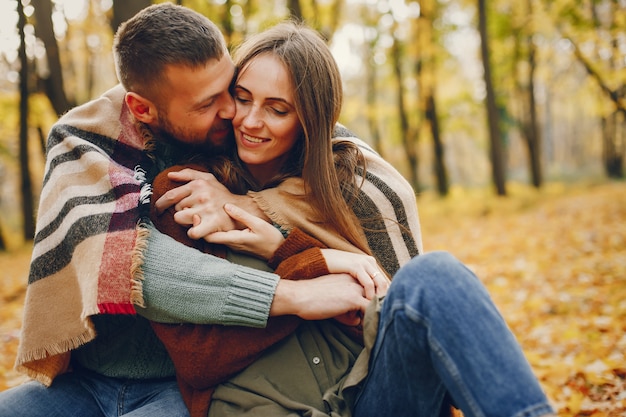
(142, 108)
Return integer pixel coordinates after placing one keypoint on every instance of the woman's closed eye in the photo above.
(279, 112)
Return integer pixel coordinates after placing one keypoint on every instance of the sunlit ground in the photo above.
(554, 262)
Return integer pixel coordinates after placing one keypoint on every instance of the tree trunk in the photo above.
(125, 9)
(426, 81)
(408, 139)
(335, 18)
(370, 21)
(371, 113)
(533, 138)
(53, 83)
(3, 244)
(28, 229)
(614, 144)
(227, 22)
(295, 10)
(439, 164)
(493, 119)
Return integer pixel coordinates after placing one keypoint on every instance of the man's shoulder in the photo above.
(110, 100)
(103, 115)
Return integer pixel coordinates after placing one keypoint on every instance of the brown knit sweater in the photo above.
(207, 355)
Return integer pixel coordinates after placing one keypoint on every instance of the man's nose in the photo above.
(227, 110)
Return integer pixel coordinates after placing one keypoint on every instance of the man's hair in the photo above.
(161, 35)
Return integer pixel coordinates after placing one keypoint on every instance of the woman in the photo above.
(257, 168)
(439, 332)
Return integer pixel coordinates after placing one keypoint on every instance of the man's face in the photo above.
(196, 107)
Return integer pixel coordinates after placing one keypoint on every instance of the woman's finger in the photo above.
(245, 218)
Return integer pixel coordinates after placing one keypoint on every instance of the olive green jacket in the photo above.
(314, 372)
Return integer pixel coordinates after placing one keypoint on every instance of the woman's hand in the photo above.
(199, 202)
(363, 268)
(258, 238)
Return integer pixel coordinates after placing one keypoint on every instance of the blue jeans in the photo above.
(439, 333)
(85, 394)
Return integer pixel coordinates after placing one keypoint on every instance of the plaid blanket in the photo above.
(87, 232)
(94, 195)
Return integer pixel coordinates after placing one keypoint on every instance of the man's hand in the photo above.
(259, 238)
(199, 203)
(328, 296)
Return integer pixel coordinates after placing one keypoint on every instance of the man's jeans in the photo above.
(440, 332)
(85, 394)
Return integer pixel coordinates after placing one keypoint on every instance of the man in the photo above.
(82, 342)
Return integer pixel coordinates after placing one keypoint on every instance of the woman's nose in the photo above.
(253, 119)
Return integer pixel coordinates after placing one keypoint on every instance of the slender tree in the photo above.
(295, 10)
(28, 227)
(585, 26)
(370, 19)
(427, 87)
(493, 118)
(125, 9)
(408, 135)
(525, 86)
(53, 82)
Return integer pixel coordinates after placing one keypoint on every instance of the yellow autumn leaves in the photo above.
(555, 264)
(554, 261)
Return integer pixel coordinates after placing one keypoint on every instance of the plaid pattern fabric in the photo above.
(86, 233)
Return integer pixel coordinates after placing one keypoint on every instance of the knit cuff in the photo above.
(296, 242)
(184, 285)
(250, 298)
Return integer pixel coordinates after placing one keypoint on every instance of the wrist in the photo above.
(284, 296)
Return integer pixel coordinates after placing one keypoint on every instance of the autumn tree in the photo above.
(370, 17)
(408, 132)
(525, 68)
(493, 118)
(53, 80)
(426, 70)
(125, 9)
(26, 188)
(595, 33)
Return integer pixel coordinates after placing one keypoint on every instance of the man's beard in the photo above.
(181, 140)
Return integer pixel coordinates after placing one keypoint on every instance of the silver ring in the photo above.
(375, 275)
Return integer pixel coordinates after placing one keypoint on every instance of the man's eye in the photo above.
(206, 105)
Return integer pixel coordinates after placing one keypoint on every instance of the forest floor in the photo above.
(554, 261)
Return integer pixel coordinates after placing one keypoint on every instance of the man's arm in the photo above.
(190, 286)
(320, 298)
(182, 284)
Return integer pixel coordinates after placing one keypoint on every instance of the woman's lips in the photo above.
(252, 139)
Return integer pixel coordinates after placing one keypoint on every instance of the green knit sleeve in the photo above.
(184, 285)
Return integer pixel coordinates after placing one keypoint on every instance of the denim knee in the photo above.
(435, 277)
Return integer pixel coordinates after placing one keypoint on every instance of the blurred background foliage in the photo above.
(454, 93)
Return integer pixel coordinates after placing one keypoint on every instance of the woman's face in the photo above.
(266, 124)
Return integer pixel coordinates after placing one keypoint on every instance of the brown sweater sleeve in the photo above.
(206, 355)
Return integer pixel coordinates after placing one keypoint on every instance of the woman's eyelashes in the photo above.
(244, 101)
